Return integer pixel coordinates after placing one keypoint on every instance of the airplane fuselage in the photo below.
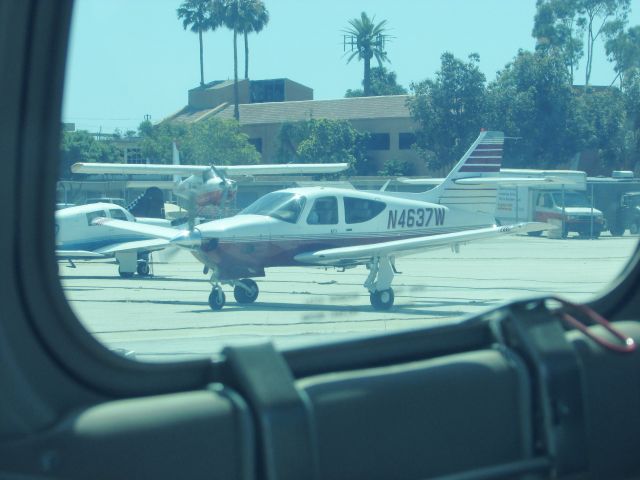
(303, 220)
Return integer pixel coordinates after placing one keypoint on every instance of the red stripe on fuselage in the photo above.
(249, 259)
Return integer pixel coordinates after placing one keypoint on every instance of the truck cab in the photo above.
(628, 215)
(571, 210)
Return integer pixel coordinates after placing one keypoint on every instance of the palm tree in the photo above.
(256, 19)
(196, 15)
(369, 42)
(241, 16)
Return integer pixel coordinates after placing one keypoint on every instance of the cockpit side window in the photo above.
(91, 216)
(324, 211)
(358, 210)
(284, 206)
(118, 214)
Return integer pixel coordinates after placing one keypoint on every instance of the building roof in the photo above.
(392, 106)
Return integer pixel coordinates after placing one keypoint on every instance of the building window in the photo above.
(378, 141)
(257, 143)
(405, 140)
(266, 90)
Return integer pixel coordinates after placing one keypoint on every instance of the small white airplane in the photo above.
(345, 228)
(206, 184)
(78, 238)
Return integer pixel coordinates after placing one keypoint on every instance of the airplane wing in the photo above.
(283, 168)
(185, 170)
(363, 253)
(155, 231)
(138, 169)
(136, 246)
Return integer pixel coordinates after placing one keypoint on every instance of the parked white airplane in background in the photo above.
(78, 238)
(206, 184)
(345, 228)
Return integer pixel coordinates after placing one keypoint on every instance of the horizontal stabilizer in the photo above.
(395, 248)
(72, 254)
(514, 181)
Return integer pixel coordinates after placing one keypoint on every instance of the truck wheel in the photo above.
(617, 230)
(633, 229)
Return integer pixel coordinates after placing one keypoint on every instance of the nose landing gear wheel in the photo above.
(247, 292)
(382, 299)
(217, 299)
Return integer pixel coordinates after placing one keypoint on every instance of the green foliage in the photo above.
(397, 168)
(382, 83)
(602, 114)
(324, 141)
(557, 30)
(81, 146)
(531, 99)
(449, 110)
(211, 141)
(624, 51)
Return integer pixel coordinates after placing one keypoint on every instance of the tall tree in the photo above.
(257, 16)
(601, 17)
(241, 16)
(370, 39)
(382, 83)
(324, 141)
(449, 110)
(196, 15)
(531, 99)
(624, 51)
(557, 31)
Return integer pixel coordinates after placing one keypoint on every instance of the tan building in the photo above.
(267, 104)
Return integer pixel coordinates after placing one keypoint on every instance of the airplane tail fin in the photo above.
(175, 159)
(483, 159)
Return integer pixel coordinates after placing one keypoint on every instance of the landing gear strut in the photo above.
(381, 271)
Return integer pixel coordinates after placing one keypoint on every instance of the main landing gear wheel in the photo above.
(247, 292)
(143, 269)
(217, 298)
(382, 299)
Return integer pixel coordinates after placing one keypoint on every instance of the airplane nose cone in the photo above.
(192, 239)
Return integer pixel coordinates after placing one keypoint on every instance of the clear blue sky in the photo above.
(130, 58)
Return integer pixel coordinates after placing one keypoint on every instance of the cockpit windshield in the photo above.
(284, 206)
(571, 199)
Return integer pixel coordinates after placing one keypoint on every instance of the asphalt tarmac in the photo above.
(167, 316)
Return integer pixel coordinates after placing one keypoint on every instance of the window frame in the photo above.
(39, 311)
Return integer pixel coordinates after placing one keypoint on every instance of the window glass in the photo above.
(139, 95)
(378, 141)
(358, 210)
(284, 206)
(406, 140)
(323, 212)
(118, 214)
(91, 216)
